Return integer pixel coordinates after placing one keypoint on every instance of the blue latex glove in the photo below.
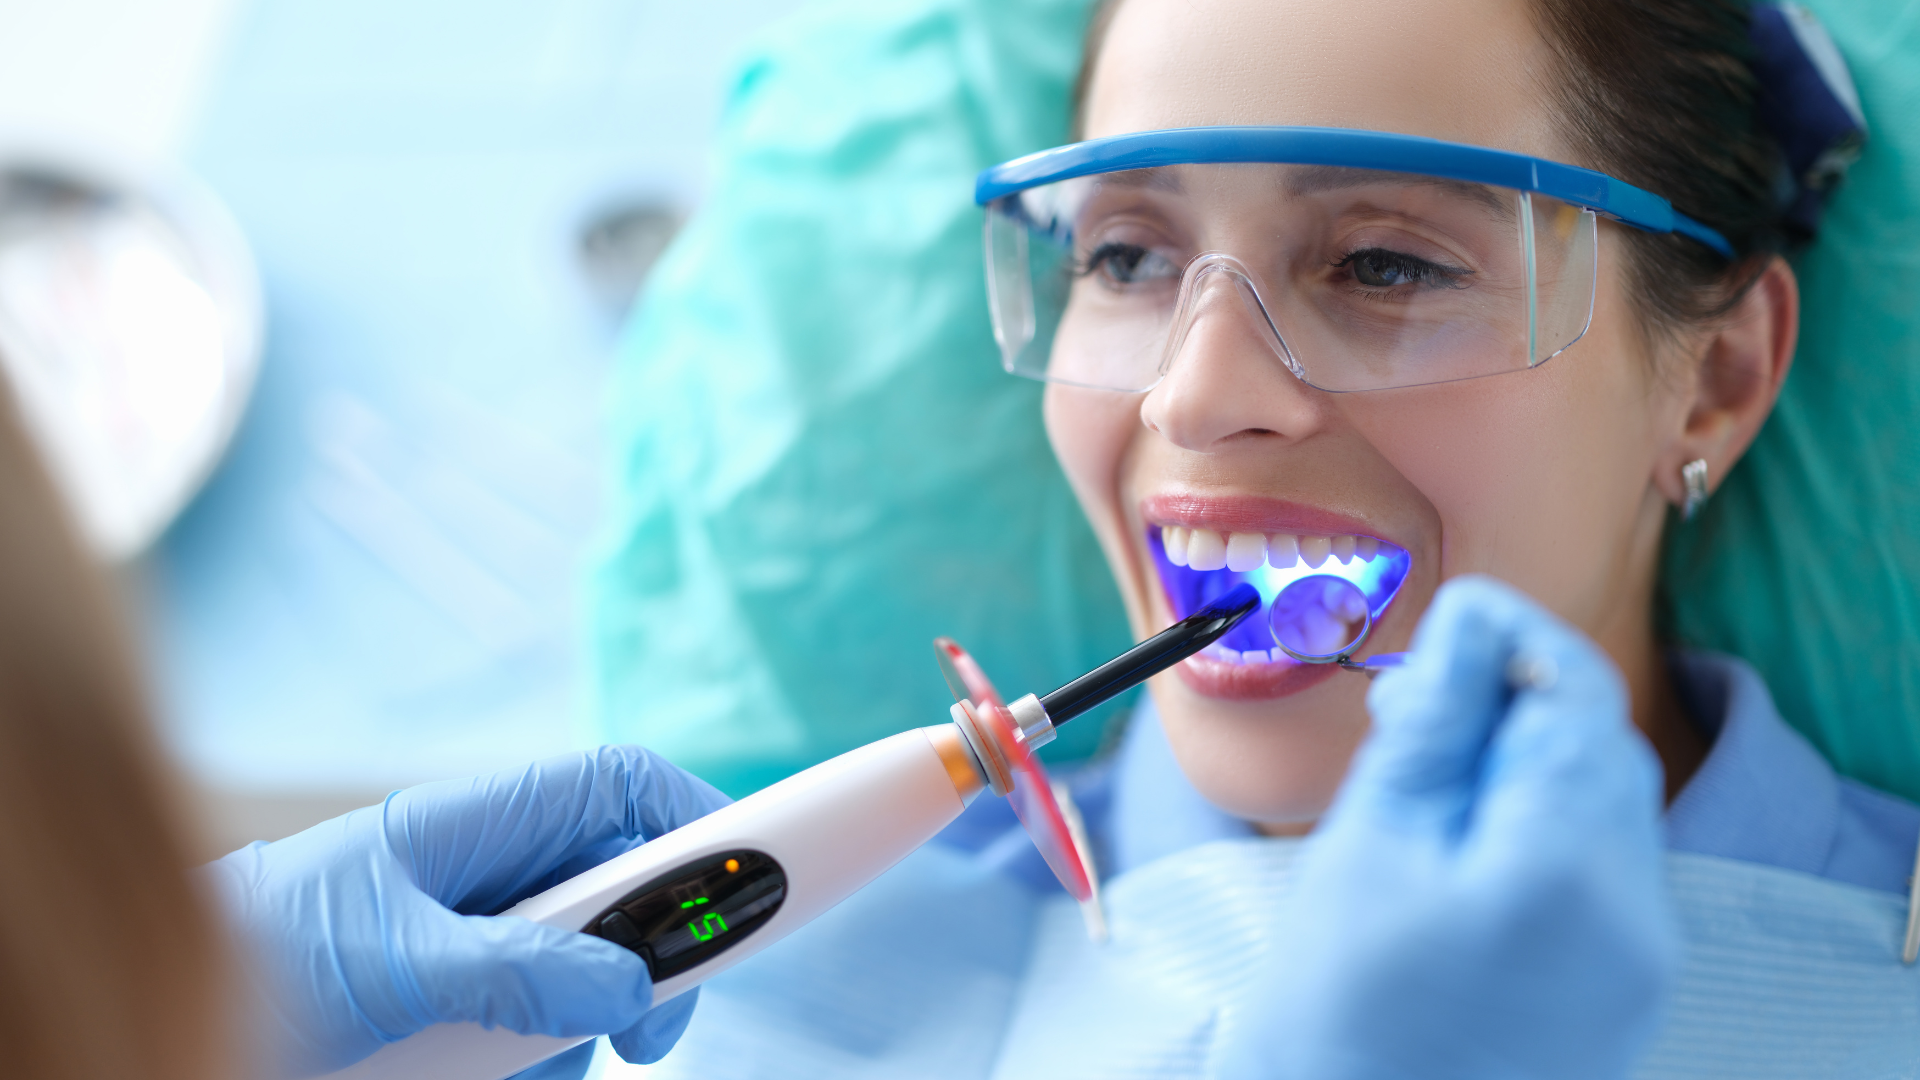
(1485, 898)
(366, 927)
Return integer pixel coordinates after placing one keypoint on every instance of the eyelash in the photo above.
(1419, 272)
(1411, 269)
(1104, 254)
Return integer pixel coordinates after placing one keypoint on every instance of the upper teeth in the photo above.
(1245, 551)
(1205, 549)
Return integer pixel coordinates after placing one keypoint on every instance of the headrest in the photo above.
(1807, 561)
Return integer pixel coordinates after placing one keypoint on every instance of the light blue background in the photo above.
(382, 584)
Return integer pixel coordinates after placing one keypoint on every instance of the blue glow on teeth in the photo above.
(1188, 590)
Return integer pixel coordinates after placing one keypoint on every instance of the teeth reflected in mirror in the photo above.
(1318, 619)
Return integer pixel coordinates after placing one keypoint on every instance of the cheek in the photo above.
(1537, 476)
(1091, 431)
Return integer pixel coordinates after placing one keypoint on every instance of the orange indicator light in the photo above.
(733, 866)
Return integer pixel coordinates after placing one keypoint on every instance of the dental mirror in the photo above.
(1323, 619)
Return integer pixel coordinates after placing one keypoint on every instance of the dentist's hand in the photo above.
(368, 929)
(1485, 898)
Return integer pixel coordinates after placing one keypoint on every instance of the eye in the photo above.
(1128, 264)
(1380, 268)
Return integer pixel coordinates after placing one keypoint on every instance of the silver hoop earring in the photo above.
(1694, 475)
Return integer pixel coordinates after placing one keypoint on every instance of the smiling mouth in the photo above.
(1198, 565)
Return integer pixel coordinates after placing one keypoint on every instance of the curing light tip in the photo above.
(1152, 656)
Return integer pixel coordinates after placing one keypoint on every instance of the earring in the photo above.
(1694, 475)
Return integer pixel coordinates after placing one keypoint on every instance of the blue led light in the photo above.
(1187, 590)
(1379, 577)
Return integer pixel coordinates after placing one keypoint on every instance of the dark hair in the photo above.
(111, 962)
(1661, 94)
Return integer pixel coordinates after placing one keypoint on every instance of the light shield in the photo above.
(1355, 279)
(1031, 792)
(1366, 259)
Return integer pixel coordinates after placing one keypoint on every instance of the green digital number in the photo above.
(704, 929)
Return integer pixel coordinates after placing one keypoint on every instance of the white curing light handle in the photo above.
(705, 897)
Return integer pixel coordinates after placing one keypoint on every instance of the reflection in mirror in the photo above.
(1319, 619)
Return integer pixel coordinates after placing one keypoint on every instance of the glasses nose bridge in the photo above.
(1202, 286)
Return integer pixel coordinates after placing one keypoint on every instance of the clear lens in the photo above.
(1355, 279)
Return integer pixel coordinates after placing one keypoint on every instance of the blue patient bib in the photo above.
(942, 970)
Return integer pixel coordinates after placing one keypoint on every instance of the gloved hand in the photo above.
(1485, 898)
(367, 929)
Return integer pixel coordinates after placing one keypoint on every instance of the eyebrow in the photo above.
(1313, 179)
(1158, 178)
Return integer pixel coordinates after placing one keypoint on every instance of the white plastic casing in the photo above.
(832, 829)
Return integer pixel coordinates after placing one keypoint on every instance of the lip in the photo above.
(1251, 682)
(1253, 513)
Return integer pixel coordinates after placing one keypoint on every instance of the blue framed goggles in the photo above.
(1364, 260)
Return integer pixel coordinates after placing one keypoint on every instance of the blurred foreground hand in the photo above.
(1485, 898)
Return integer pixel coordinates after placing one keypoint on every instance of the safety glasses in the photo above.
(1363, 260)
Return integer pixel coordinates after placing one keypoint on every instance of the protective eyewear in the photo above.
(1363, 260)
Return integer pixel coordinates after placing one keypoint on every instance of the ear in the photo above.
(1742, 364)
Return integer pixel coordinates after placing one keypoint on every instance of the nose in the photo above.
(1228, 378)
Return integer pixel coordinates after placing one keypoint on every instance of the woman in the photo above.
(1556, 479)
(1261, 359)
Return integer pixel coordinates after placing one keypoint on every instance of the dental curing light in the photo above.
(706, 896)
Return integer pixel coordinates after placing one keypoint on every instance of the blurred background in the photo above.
(358, 530)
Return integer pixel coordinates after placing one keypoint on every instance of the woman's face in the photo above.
(1541, 477)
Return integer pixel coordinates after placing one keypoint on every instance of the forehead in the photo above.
(1470, 71)
(1263, 182)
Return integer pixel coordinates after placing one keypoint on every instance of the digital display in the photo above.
(683, 919)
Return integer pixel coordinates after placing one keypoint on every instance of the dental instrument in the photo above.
(1323, 619)
(704, 897)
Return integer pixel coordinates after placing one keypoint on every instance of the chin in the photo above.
(1269, 761)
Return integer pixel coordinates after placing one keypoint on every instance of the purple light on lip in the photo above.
(1189, 590)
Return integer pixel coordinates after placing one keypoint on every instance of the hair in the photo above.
(1661, 94)
(111, 963)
